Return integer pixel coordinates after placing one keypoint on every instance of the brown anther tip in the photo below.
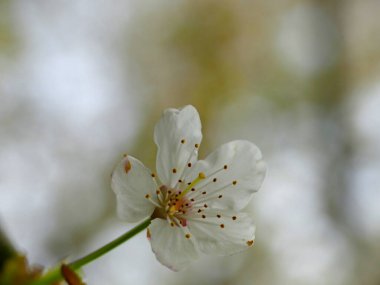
(174, 170)
(219, 216)
(201, 175)
(225, 166)
(158, 192)
(205, 205)
(172, 224)
(199, 210)
(153, 175)
(189, 164)
(250, 242)
(193, 189)
(220, 196)
(214, 180)
(204, 192)
(179, 180)
(234, 182)
(187, 235)
(203, 216)
(192, 200)
(183, 141)
(127, 166)
(125, 155)
(188, 183)
(234, 218)
(222, 226)
(196, 145)
(147, 196)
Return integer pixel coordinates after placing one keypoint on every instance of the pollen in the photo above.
(183, 141)
(222, 226)
(174, 170)
(234, 182)
(234, 218)
(250, 242)
(187, 236)
(127, 166)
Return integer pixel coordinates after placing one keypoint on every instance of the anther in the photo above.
(172, 224)
(222, 226)
(205, 205)
(179, 180)
(199, 210)
(234, 218)
(201, 175)
(183, 141)
(153, 175)
(192, 200)
(220, 196)
(196, 145)
(147, 196)
(203, 216)
(174, 170)
(218, 216)
(214, 180)
(234, 182)
(204, 192)
(189, 164)
(187, 235)
(250, 242)
(192, 189)
(158, 192)
(225, 166)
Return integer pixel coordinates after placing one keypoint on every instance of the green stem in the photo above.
(54, 275)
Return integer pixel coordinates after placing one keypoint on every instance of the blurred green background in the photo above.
(82, 82)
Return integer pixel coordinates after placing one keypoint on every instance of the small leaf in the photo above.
(70, 276)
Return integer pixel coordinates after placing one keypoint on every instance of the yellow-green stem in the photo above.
(54, 274)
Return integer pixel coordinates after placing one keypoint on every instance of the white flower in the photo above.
(199, 208)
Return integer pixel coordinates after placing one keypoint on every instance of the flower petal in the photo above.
(235, 171)
(133, 185)
(177, 136)
(171, 246)
(222, 232)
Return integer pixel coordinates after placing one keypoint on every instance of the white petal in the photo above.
(230, 233)
(244, 174)
(171, 246)
(132, 181)
(176, 134)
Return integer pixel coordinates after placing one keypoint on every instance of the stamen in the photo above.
(200, 177)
